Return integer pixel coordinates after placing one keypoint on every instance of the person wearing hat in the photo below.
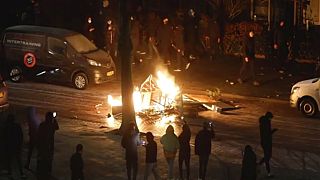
(203, 147)
(266, 139)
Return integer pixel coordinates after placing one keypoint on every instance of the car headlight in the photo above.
(93, 62)
(294, 90)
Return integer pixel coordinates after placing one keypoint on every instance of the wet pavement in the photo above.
(82, 118)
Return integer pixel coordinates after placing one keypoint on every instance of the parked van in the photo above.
(305, 96)
(54, 54)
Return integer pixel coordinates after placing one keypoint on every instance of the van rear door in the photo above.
(23, 50)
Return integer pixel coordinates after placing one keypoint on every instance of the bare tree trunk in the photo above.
(124, 46)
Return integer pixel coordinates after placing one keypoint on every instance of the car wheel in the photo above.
(15, 74)
(80, 81)
(308, 107)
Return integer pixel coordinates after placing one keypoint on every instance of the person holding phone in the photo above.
(130, 142)
(45, 145)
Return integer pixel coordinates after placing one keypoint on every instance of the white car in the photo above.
(305, 96)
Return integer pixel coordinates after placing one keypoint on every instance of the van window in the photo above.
(80, 43)
(56, 46)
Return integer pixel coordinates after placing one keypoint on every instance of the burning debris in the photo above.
(156, 95)
(159, 98)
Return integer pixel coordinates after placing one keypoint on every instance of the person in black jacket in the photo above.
(33, 124)
(13, 144)
(151, 157)
(248, 61)
(266, 139)
(281, 44)
(203, 147)
(184, 151)
(130, 141)
(45, 145)
(76, 164)
(249, 164)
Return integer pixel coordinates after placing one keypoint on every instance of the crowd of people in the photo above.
(281, 61)
(172, 40)
(173, 145)
(40, 137)
(42, 133)
(176, 40)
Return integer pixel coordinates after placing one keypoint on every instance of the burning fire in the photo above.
(164, 85)
(168, 88)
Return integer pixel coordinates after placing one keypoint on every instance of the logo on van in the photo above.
(29, 60)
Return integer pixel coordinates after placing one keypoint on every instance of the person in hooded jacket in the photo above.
(76, 164)
(171, 145)
(203, 147)
(184, 151)
(249, 164)
(151, 157)
(33, 125)
(266, 133)
(45, 145)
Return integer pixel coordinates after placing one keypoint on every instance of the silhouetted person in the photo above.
(184, 151)
(178, 44)
(135, 38)
(151, 30)
(214, 33)
(13, 144)
(33, 125)
(281, 44)
(130, 141)
(45, 144)
(54, 126)
(171, 145)
(190, 25)
(266, 139)
(76, 164)
(164, 40)
(151, 157)
(248, 61)
(203, 147)
(249, 164)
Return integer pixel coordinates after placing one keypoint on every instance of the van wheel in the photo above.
(15, 74)
(80, 81)
(308, 107)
